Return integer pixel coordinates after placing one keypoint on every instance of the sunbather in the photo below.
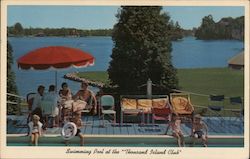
(35, 129)
(86, 95)
(199, 130)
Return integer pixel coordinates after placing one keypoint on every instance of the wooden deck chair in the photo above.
(182, 106)
(107, 106)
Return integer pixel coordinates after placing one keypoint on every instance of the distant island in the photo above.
(226, 28)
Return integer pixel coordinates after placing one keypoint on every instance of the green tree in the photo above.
(207, 26)
(142, 50)
(18, 29)
(11, 84)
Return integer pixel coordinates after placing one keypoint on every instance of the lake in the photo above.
(187, 53)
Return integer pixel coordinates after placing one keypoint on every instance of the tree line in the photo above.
(226, 28)
(18, 30)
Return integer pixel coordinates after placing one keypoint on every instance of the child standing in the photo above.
(35, 129)
(198, 129)
(78, 122)
(177, 133)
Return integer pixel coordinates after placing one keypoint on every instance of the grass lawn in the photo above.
(205, 81)
(98, 76)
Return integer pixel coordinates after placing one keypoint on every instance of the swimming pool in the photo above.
(125, 141)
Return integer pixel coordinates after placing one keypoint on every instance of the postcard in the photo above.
(124, 79)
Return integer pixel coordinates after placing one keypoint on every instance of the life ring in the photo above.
(69, 131)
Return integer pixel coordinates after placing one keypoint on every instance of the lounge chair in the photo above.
(216, 104)
(182, 106)
(142, 105)
(146, 106)
(161, 110)
(129, 107)
(238, 111)
(107, 105)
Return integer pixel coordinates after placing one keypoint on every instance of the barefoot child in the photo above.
(177, 133)
(198, 129)
(35, 128)
(77, 120)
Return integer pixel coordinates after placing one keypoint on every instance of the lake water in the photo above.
(187, 53)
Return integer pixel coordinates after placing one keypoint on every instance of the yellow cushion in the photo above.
(181, 105)
(145, 104)
(159, 103)
(127, 103)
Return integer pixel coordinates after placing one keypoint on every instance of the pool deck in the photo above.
(93, 126)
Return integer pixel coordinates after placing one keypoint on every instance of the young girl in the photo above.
(177, 133)
(198, 129)
(35, 127)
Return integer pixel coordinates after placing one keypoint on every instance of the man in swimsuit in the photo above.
(86, 95)
(198, 129)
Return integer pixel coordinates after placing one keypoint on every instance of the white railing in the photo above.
(18, 100)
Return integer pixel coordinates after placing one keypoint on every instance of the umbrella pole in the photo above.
(56, 81)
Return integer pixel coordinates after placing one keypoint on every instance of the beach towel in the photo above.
(79, 105)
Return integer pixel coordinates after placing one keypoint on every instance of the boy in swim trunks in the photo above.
(78, 121)
(198, 129)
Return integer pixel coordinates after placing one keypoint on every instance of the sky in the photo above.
(103, 17)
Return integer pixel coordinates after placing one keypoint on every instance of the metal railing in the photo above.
(16, 100)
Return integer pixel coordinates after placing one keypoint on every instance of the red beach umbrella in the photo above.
(55, 57)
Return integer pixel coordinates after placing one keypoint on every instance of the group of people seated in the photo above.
(60, 106)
